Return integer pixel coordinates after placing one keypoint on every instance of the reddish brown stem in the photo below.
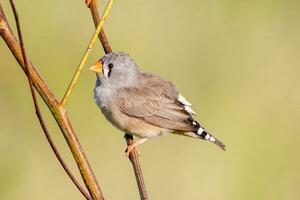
(102, 37)
(58, 112)
(37, 109)
(134, 159)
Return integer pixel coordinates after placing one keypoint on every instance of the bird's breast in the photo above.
(104, 97)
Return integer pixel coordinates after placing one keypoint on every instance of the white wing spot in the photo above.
(189, 110)
(182, 100)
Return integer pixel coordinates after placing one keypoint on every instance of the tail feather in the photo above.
(206, 136)
(203, 134)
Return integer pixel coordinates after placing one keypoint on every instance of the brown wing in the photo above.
(159, 85)
(154, 100)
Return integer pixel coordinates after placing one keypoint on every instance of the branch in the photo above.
(134, 159)
(58, 112)
(86, 54)
(129, 139)
(105, 44)
(37, 109)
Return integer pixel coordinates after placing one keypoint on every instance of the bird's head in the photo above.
(116, 69)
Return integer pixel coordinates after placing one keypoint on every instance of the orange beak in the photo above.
(97, 67)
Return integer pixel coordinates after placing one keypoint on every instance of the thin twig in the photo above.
(58, 112)
(129, 139)
(86, 54)
(96, 19)
(134, 159)
(37, 109)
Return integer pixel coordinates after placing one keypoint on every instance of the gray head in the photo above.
(116, 70)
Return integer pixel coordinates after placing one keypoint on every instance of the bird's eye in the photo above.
(110, 66)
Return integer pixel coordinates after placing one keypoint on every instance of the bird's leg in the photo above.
(134, 145)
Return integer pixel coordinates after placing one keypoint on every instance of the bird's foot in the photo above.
(88, 2)
(131, 148)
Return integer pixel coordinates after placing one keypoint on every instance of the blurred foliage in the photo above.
(236, 61)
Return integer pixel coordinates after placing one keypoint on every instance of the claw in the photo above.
(131, 148)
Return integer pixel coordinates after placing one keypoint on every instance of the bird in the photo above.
(143, 104)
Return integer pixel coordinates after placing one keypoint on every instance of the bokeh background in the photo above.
(236, 61)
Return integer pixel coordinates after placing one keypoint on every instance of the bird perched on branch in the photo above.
(143, 104)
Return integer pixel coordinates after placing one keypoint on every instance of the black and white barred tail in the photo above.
(203, 134)
(200, 131)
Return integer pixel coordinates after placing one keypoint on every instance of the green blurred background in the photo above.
(236, 61)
